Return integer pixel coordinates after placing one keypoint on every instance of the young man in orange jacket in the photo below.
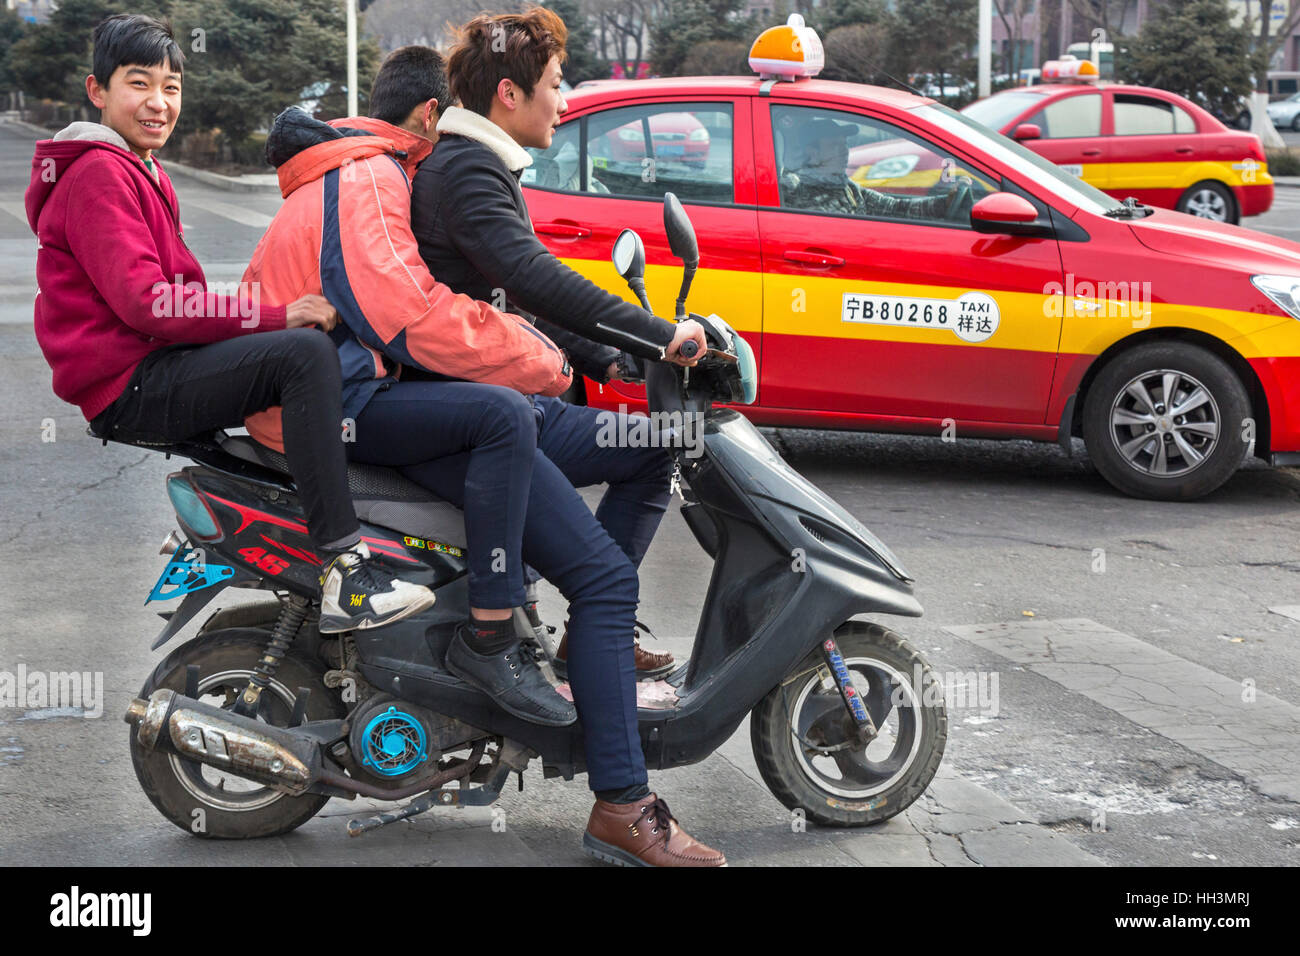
(344, 231)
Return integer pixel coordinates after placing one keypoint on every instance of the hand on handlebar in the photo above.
(687, 331)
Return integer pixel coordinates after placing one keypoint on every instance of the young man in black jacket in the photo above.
(469, 217)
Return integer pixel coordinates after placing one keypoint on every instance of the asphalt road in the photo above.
(1119, 734)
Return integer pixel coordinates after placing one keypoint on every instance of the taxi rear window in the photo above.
(642, 152)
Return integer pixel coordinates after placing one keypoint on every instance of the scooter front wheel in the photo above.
(805, 740)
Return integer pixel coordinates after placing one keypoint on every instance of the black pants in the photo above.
(184, 391)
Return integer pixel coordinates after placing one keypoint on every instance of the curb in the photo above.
(1289, 182)
(234, 184)
(40, 131)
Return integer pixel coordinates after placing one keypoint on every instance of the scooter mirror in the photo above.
(629, 255)
(680, 232)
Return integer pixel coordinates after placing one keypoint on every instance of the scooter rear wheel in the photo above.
(202, 800)
(802, 734)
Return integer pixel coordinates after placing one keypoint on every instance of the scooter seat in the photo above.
(380, 496)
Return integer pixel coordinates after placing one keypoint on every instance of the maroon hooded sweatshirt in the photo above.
(116, 278)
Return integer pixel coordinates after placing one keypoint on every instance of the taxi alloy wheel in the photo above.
(1209, 200)
(1165, 421)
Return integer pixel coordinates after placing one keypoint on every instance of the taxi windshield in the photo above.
(997, 111)
(1025, 162)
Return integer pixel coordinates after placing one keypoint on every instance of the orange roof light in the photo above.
(1068, 69)
(787, 52)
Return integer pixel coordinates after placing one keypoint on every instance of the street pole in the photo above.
(352, 56)
(985, 47)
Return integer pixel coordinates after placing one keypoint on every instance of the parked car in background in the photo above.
(1135, 141)
(1286, 113)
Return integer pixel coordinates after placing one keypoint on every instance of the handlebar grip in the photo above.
(689, 349)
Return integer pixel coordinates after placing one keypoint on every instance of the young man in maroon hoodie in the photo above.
(136, 339)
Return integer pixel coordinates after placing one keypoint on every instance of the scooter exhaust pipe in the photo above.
(275, 756)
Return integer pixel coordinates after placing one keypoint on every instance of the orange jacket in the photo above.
(344, 232)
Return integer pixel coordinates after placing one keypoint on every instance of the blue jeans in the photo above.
(591, 559)
(638, 478)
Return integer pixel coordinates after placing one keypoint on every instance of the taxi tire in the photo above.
(1231, 214)
(1218, 378)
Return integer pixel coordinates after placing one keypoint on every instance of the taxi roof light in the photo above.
(788, 52)
(1069, 69)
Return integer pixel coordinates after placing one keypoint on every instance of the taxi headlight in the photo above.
(1283, 290)
(700, 135)
(893, 167)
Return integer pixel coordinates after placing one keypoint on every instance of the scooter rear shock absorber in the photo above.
(287, 624)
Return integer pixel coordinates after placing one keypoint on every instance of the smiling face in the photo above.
(532, 120)
(140, 103)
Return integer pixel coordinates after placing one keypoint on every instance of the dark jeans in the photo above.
(411, 426)
(591, 559)
(181, 392)
(638, 478)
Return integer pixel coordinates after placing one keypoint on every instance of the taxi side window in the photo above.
(643, 152)
(1070, 117)
(846, 164)
(1146, 116)
(559, 166)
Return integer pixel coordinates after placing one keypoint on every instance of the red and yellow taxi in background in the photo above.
(997, 296)
(1134, 141)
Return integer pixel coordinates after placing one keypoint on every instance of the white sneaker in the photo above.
(357, 593)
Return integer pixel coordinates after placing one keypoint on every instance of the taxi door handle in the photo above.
(813, 257)
(563, 229)
(1184, 150)
(1092, 152)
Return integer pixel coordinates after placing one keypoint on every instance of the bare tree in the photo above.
(1269, 43)
(1107, 14)
(1014, 14)
(623, 29)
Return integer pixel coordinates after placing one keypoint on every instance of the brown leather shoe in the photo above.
(643, 833)
(648, 666)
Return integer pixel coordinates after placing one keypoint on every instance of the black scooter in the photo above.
(247, 729)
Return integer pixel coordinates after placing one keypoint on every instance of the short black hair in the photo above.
(132, 39)
(410, 76)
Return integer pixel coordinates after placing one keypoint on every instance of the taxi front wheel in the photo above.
(1166, 421)
(1209, 200)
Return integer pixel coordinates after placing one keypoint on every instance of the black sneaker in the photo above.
(357, 593)
(513, 680)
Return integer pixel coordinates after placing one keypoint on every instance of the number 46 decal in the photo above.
(260, 559)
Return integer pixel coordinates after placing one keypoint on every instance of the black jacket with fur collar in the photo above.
(469, 217)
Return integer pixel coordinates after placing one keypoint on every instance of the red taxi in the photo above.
(970, 288)
(1135, 141)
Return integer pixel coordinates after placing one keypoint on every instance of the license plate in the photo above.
(973, 316)
(674, 150)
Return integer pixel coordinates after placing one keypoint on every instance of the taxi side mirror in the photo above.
(1004, 213)
(1027, 131)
